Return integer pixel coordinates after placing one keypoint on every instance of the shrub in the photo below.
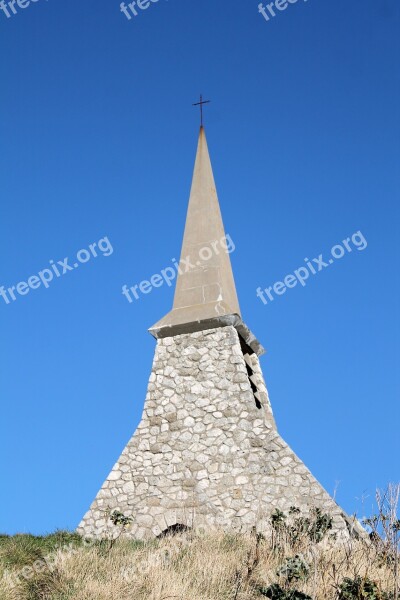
(275, 592)
(294, 569)
(278, 520)
(295, 528)
(360, 589)
(119, 519)
(320, 524)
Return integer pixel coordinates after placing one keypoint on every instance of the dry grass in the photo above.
(215, 566)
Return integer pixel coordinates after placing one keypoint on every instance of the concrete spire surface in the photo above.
(205, 286)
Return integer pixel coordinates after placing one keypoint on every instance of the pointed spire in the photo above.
(209, 281)
(205, 294)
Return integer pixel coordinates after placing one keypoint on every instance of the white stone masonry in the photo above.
(206, 452)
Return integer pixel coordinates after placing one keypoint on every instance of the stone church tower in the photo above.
(207, 452)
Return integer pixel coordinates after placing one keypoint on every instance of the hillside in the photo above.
(299, 559)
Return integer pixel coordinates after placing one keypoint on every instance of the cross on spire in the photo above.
(201, 107)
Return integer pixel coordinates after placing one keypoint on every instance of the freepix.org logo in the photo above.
(168, 275)
(132, 9)
(312, 267)
(56, 269)
(268, 10)
(11, 7)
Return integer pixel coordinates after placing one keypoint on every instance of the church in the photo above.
(207, 452)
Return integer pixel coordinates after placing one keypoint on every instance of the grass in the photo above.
(214, 566)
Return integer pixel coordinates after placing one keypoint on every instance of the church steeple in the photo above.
(207, 452)
(205, 294)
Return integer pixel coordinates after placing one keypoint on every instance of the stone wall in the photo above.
(206, 452)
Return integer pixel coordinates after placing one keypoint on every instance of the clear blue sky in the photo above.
(98, 139)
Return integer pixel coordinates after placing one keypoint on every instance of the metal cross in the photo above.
(201, 107)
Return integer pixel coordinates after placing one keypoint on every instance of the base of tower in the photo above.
(206, 452)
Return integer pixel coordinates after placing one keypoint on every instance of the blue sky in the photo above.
(98, 140)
